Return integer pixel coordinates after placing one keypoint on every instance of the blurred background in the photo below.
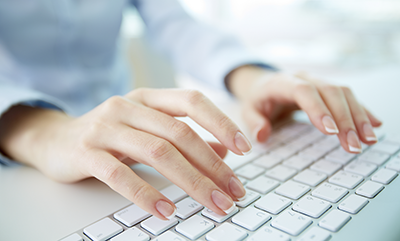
(325, 37)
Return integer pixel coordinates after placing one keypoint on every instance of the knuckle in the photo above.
(138, 93)
(346, 90)
(139, 193)
(113, 103)
(181, 131)
(194, 97)
(344, 119)
(331, 89)
(304, 88)
(218, 166)
(198, 182)
(112, 173)
(158, 150)
(224, 121)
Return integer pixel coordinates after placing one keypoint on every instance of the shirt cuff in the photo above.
(11, 96)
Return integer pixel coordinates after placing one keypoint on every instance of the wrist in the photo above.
(241, 80)
(25, 131)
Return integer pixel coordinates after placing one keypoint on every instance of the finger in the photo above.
(375, 122)
(309, 100)
(188, 143)
(123, 180)
(258, 123)
(360, 118)
(195, 105)
(167, 160)
(219, 149)
(336, 101)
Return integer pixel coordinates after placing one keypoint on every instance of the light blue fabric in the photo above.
(64, 53)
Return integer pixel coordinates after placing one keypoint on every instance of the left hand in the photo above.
(267, 95)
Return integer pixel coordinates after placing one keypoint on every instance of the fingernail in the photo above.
(166, 209)
(353, 142)
(236, 188)
(242, 143)
(222, 201)
(330, 125)
(369, 132)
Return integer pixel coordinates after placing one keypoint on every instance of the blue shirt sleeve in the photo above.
(199, 50)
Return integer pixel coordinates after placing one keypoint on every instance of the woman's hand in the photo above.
(139, 127)
(332, 109)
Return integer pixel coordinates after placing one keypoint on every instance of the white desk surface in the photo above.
(32, 207)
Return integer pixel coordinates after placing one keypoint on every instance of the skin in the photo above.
(140, 127)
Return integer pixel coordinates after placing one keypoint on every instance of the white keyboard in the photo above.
(301, 185)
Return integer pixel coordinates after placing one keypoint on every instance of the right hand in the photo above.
(139, 127)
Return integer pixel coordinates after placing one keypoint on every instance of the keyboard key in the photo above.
(234, 161)
(267, 161)
(313, 152)
(310, 177)
(316, 234)
(168, 236)
(362, 168)
(251, 218)
(216, 217)
(242, 180)
(131, 215)
(340, 156)
(268, 233)
(156, 226)
(330, 192)
(281, 173)
(132, 234)
(250, 171)
(273, 203)
(384, 176)
(283, 152)
(334, 221)
(102, 230)
(297, 144)
(72, 237)
(291, 222)
(262, 184)
(311, 206)
(369, 189)
(174, 193)
(326, 167)
(293, 190)
(328, 143)
(194, 227)
(250, 197)
(345, 179)
(386, 147)
(394, 164)
(375, 157)
(225, 232)
(353, 204)
(187, 207)
(298, 162)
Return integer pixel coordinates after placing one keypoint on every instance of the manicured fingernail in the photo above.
(222, 201)
(353, 142)
(369, 132)
(242, 143)
(330, 125)
(236, 188)
(166, 209)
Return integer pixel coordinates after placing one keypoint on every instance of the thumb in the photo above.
(258, 123)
